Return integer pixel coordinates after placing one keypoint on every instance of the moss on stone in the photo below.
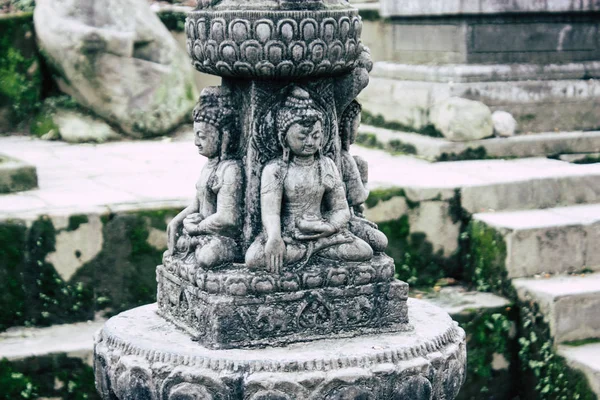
(396, 146)
(369, 14)
(369, 140)
(414, 258)
(379, 121)
(173, 20)
(23, 179)
(42, 124)
(478, 153)
(20, 76)
(487, 258)
(13, 295)
(577, 343)
(490, 333)
(53, 376)
(588, 160)
(75, 221)
(545, 375)
(14, 384)
(378, 195)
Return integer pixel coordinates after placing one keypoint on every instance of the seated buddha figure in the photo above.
(204, 234)
(304, 211)
(355, 175)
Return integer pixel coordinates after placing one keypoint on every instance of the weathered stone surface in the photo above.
(250, 309)
(557, 240)
(16, 175)
(74, 127)
(566, 103)
(505, 125)
(118, 59)
(433, 218)
(460, 119)
(586, 358)
(570, 304)
(427, 363)
(442, 7)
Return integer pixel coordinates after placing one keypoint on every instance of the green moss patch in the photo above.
(490, 335)
(173, 20)
(57, 376)
(487, 258)
(20, 76)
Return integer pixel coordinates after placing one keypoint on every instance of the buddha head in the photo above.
(299, 125)
(349, 124)
(215, 123)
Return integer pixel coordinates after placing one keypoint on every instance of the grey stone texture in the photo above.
(570, 304)
(505, 125)
(391, 8)
(555, 240)
(138, 352)
(519, 146)
(537, 105)
(117, 59)
(75, 127)
(16, 175)
(462, 120)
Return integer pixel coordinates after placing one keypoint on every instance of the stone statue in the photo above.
(303, 205)
(355, 176)
(205, 234)
(274, 250)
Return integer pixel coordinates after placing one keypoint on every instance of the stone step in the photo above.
(570, 304)
(585, 358)
(550, 241)
(520, 146)
(73, 340)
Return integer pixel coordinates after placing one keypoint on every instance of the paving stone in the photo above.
(556, 240)
(16, 175)
(570, 304)
(586, 358)
(74, 340)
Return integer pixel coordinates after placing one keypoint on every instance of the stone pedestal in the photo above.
(139, 355)
(536, 60)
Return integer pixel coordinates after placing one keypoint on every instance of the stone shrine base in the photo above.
(139, 355)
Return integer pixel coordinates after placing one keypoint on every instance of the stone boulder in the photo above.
(74, 127)
(505, 125)
(116, 58)
(462, 120)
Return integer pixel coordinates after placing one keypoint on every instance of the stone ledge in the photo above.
(459, 73)
(411, 8)
(585, 358)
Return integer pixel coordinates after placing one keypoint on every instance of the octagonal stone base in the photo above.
(139, 355)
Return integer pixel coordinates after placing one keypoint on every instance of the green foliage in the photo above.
(43, 122)
(20, 77)
(369, 140)
(415, 260)
(554, 380)
(489, 333)
(378, 195)
(369, 14)
(398, 147)
(12, 286)
(14, 384)
(487, 256)
(173, 20)
(23, 5)
(589, 159)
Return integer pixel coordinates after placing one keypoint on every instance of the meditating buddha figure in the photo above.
(204, 235)
(304, 211)
(355, 175)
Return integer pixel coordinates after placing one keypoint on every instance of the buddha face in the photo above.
(304, 140)
(206, 138)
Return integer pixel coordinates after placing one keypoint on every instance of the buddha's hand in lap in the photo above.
(314, 229)
(190, 223)
(274, 254)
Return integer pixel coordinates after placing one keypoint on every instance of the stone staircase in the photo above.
(542, 214)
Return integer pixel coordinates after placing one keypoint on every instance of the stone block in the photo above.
(558, 240)
(256, 309)
(585, 358)
(570, 304)
(16, 175)
(434, 220)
